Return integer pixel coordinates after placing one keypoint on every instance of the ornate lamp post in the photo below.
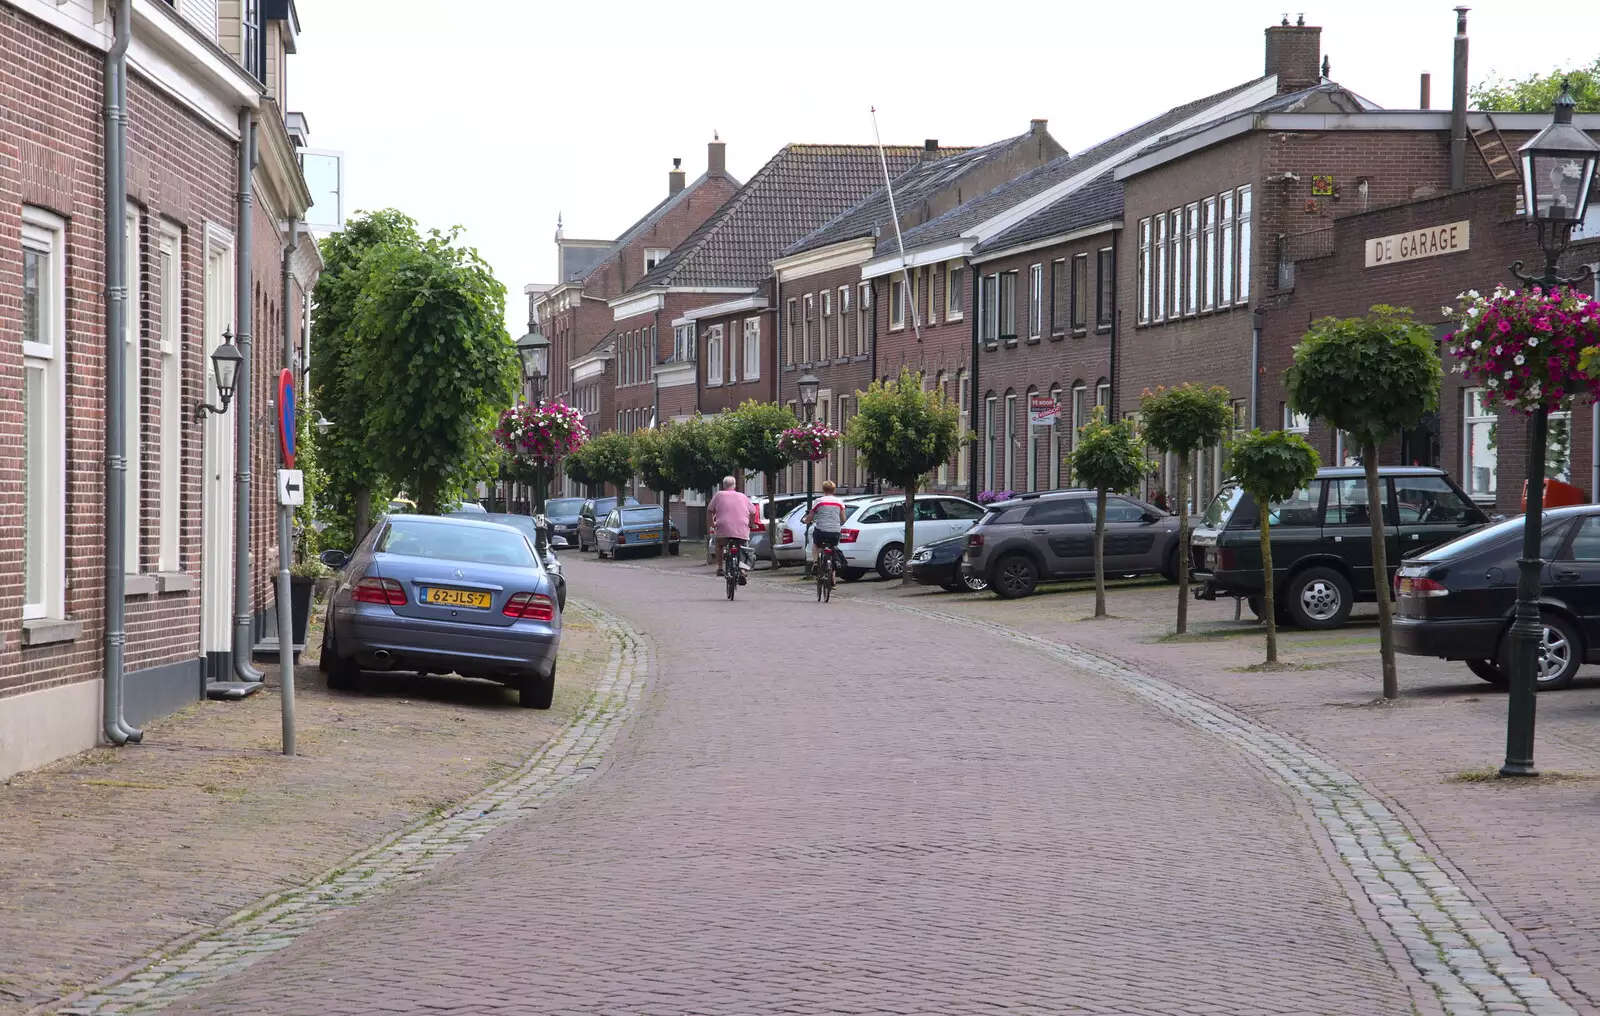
(1558, 166)
(809, 383)
(225, 361)
(534, 349)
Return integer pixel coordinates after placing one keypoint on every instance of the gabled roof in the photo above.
(1095, 202)
(799, 189)
(1327, 97)
(957, 221)
(650, 218)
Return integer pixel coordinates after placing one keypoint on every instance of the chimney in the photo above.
(1294, 54)
(1427, 92)
(1038, 126)
(930, 149)
(675, 178)
(1458, 106)
(716, 154)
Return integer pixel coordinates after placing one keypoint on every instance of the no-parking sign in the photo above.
(286, 416)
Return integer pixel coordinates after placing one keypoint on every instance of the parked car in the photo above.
(1050, 535)
(793, 544)
(873, 536)
(939, 564)
(564, 513)
(543, 542)
(402, 506)
(761, 542)
(1322, 539)
(469, 508)
(640, 528)
(441, 595)
(589, 516)
(1455, 601)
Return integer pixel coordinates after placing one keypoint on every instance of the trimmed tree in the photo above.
(1108, 457)
(578, 465)
(437, 366)
(752, 435)
(1271, 466)
(609, 459)
(698, 457)
(1537, 93)
(1181, 421)
(1371, 377)
(902, 433)
(650, 463)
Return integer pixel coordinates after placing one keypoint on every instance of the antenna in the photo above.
(905, 273)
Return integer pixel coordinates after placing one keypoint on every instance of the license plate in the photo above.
(457, 598)
(652, 535)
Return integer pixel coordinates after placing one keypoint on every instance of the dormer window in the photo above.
(654, 256)
(253, 45)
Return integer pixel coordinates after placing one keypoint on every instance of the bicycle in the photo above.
(734, 556)
(827, 571)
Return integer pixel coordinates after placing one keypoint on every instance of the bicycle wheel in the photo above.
(827, 580)
(733, 579)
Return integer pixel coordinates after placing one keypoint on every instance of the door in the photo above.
(1347, 531)
(1061, 532)
(1574, 578)
(1130, 538)
(931, 523)
(1431, 511)
(217, 462)
(960, 515)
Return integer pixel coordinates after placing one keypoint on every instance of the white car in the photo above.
(793, 543)
(873, 535)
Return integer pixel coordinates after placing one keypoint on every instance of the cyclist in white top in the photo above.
(826, 519)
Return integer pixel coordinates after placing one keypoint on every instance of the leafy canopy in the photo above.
(579, 465)
(1110, 456)
(751, 435)
(697, 453)
(650, 462)
(1273, 464)
(1184, 419)
(1537, 93)
(610, 458)
(902, 432)
(1371, 377)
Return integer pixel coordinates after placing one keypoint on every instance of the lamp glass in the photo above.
(808, 389)
(1559, 183)
(225, 361)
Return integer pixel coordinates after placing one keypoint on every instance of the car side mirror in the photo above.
(1151, 518)
(558, 542)
(335, 559)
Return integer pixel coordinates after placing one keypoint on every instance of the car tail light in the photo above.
(375, 590)
(1227, 557)
(975, 541)
(530, 607)
(788, 536)
(758, 526)
(1419, 585)
(622, 538)
(848, 535)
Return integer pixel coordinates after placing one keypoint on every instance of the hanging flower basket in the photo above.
(1523, 346)
(995, 496)
(539, 435)
(811, 441)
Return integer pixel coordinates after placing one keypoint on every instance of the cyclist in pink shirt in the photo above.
(730, 513)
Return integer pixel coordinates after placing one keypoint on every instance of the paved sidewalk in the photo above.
(111, 854)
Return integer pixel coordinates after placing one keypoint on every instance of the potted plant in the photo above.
(305, 578)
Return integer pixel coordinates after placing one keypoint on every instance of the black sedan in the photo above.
(939, 564)
(1457, 600)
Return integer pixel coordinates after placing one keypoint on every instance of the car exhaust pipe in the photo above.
(382, 658)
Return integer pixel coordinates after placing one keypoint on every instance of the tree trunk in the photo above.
(363, 514)
(1100, 552)
(428, 494)
(1183, 545)
(1380, 572)
(911, 522)
(1269, 601)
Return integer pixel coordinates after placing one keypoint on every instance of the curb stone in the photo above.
(1469, 963)
(574, 754)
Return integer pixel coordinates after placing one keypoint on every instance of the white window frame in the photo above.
(1055, 440)
(1011, 440)
(789, 330)
(752, 349)
(1242, 279)
(897, 304)
(45, 515)
(863, 318)
(809, 302)
(1225, 252)
(844, 321)
(1192, 262)
(989, 435)
(1033, 442)
(714, 355)
(933, 295)
(1162, 283)
(954, 299)
(170, 546)
(1485, 418)
(1035, 300)
(964, 456)
(822, 324)
(1144, 266)
(1208, 255)
(654, 256)
(1295, 423)
(1102, 396)
(942, 382)
(1008, 305)
(1175, 256)
(133, 389)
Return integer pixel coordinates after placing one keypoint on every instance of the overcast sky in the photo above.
(503, 113)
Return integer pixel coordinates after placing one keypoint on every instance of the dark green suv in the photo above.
(1322, 540)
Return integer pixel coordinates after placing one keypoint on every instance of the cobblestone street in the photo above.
(908, 814)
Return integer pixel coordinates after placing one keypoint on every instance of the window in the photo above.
(990, 296)
(1008, 306)
(1144, 271)
(844, 322)
(943, 384)
(170, 261)
(1060, 297)
(683, 342)
(953, 295)
(1011, 440)
(897, 303)
(1191, 289)
(1054, 449)
(1117, 510)
(1175, 255)
(650, 355)
(1208, 255)
(714, 355)
(43, 414)
(1080, 395)
(1080, 294)
(1558, 446)
(1102, 396)
(1432, 499)
(1225, 255)
(1059, 511)
(1159, 296)
(933, 289)
(1243, 289)
(752, 349)
(863, 318)
(1107, 296)
(964, 455)
(654, 256)
(1033, 443)
(1035, 301)
(823, 326)
(988, 442)
(1295, 423)
(133, 389)
(1348, 504)
(251, 44)
(788, 331)
(810, 303)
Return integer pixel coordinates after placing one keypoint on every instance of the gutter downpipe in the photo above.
(243, 639)
(117, 730)
(1258, 323)
(972, 388)
(285, 534)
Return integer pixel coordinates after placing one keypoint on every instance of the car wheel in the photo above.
(1257, 605)
(561, 595)
(1319, 599)
(1560, 653)
(852, 574)
(892, 561)
(343, 674)
(1489, 670)
(599, 555)
(659, 552)
(673, 549)
(1015, 576)
(326, 652)
(974, 583)
(1169, 566)
(537, 692)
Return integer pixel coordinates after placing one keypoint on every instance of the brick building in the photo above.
(198, 77)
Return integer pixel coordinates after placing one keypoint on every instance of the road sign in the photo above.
(291, 488)
(1043, 410)
(286, 416)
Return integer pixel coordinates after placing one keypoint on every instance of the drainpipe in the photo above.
(974, 311)
(117, 730)
(1116, 326)
(285, 534)
(1458, 106)
(243, 637)
(1258, 322)
(1594, 453)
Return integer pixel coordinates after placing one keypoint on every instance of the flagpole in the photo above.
(894, 214)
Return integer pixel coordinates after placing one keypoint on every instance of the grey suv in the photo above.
(1050, 535)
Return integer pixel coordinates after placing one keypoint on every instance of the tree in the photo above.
(579, 465)
(650, 463)
(1271, 467)
(345, 453)
(698, 457)
(1537, 93)
(1108, 457)
(1371, 377)
(437, 365)
(609, 460)
(1182, 421)
(902, 432)
(751, 435)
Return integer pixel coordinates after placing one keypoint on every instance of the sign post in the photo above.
(291, 492)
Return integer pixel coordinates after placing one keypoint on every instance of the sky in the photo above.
(500, 115)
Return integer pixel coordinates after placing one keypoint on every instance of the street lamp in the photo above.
(225, 361)
(1557, 168)
(534, 349)
(809, 383)
(323, 424)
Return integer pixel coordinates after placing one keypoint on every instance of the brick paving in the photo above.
(116, 853)
(830, 809)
